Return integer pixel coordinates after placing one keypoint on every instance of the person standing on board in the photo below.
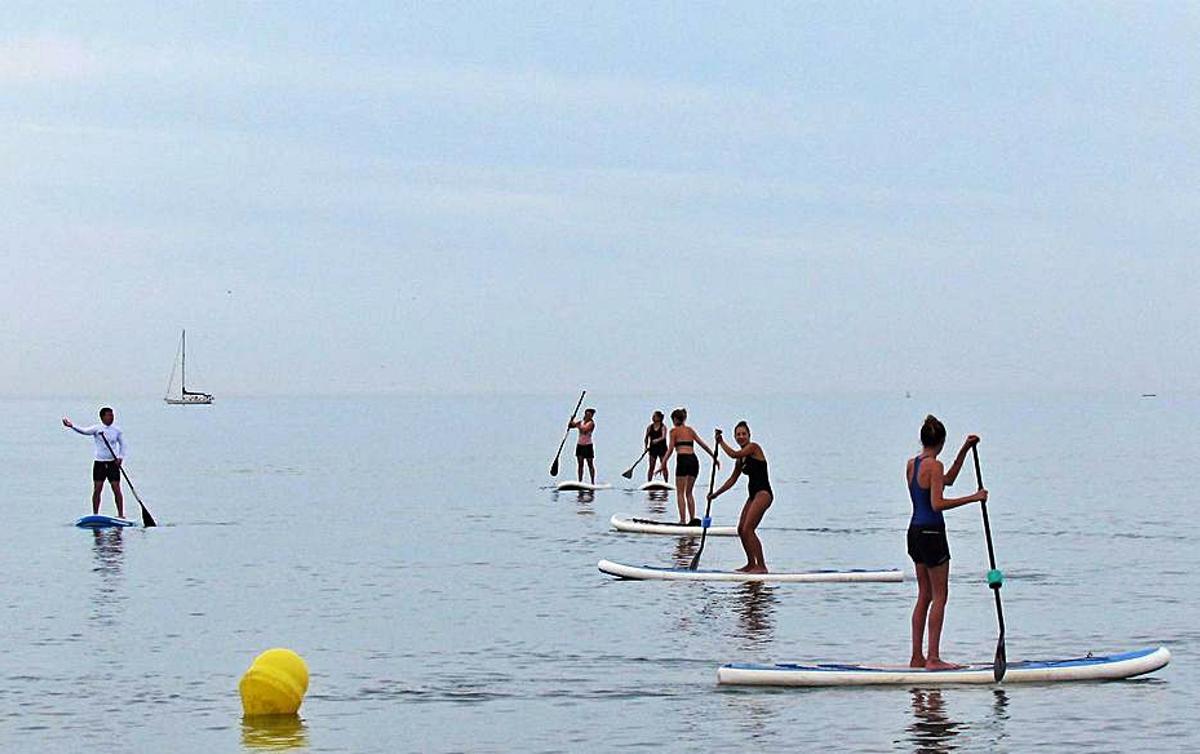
(106, 463)
(927, 545)
(656, 446)
(583, 448)
(683, 439)
(752, 462)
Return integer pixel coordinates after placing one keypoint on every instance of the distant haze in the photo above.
(627, 197)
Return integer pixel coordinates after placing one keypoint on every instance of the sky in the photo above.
(629, 197)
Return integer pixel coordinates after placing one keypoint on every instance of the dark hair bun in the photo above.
(933, 432)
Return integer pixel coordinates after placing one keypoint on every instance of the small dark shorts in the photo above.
(109, 470)
(585, 451)
(687, 464)
(927, 546)
(658, 449)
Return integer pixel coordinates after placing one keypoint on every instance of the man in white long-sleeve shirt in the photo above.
(108, 457)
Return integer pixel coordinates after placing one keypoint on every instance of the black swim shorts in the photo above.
(585, 451)
(109, 470)
(686, 464)
(658, 449)
(927, 546)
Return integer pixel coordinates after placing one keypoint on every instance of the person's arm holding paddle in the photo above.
(952, 473)
(937, 483)
(711, 451)
(732, 480)
(736, 452)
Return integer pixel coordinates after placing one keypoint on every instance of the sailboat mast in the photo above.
(183, 364)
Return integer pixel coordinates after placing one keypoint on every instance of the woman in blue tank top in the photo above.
(927, 544)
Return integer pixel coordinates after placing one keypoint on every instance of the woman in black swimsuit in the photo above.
(656, 445)
(752, 462)
(687, 466)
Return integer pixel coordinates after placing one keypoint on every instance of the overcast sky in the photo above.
(506, 197)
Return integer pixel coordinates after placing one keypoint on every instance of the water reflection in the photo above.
(931, 732)
(754, 604)
(685, 550)
(274, 732)
(584, 497)
(656, 501)
(108, 552)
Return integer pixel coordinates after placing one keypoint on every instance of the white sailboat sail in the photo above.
(185, 397)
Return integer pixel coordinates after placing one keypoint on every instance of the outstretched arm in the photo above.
(952, 474)
(81, 430)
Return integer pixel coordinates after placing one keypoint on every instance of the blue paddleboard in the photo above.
(103, 522)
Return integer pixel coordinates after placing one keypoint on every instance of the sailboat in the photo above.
(185, 397)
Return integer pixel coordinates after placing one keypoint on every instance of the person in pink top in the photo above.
(584, 451)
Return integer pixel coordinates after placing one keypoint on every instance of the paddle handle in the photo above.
(987, 526)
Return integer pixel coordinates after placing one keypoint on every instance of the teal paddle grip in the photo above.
(995, 578)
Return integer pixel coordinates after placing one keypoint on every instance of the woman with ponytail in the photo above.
(927, 545)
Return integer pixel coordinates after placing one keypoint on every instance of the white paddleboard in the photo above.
(646, 526)
(658, 573)
(656, 486)
(1106, 667)
(573, 486)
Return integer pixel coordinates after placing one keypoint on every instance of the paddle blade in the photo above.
(147, 519)
(1000, 666)
(554, 468)
(628, 473)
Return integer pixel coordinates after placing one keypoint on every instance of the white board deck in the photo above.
(1090, 668)
(658, 573)
(656, 486)
(573, 486)
(646, 526)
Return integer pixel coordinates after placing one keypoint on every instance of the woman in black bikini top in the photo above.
(687, 466)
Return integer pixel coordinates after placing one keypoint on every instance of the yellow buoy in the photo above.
(275, 684)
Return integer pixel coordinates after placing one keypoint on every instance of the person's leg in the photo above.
(578, 467)
(690, 484)
(592, 469)
(681, 498)
(97, 486)
(939, 581)
(116, 488)
(751, 517)
(919, 615)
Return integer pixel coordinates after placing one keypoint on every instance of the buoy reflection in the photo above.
(274, 732)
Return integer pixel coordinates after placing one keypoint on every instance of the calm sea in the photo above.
(447, 599)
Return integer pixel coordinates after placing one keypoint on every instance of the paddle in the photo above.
(995, 578)
(712, 481)
(147, 519)
(628, 473)
(554, 466)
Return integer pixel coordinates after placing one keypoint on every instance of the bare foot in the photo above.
(745, 569)
(937, 664)
(754, 569)
(917, 661)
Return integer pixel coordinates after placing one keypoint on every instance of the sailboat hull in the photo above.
(190, 400)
